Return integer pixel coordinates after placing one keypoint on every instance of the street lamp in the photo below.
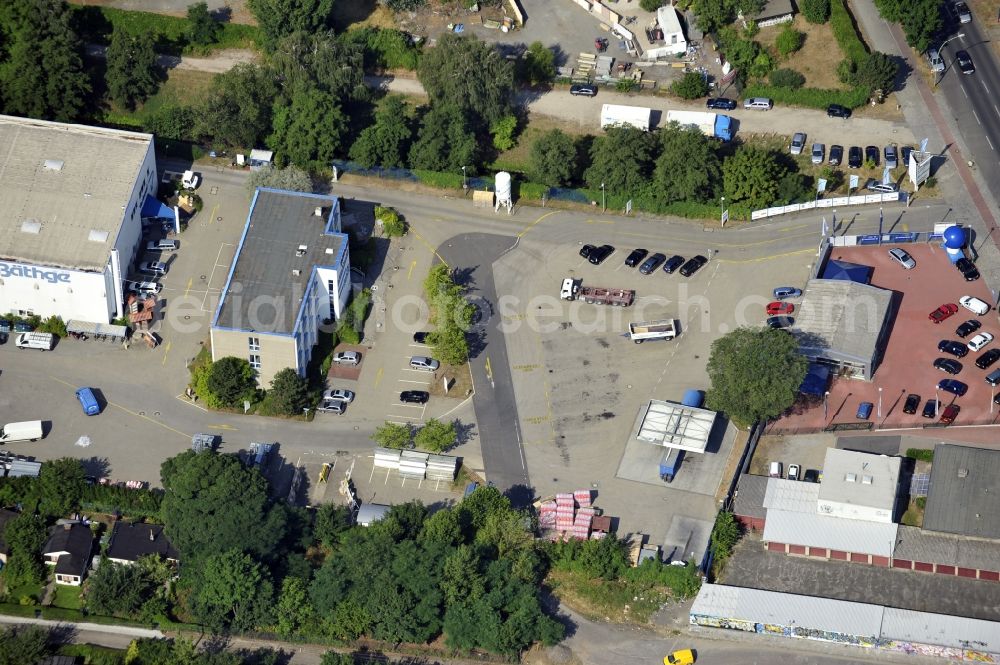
(880, 402)
(826, 401)
(722, 210)
(937, 78)
(937, 402)
(604, 201)
(993, 396)
(464, 183)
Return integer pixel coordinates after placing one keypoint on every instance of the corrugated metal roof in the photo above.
(941, 629)
(676, 426)
(915, 544)
(859, 479)
(750, 496)
(841, 320)
(835, 533)
(791, 496)
(785, 609)
(962, 499)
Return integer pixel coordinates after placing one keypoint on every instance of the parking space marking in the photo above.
(166, 351)
(187, 400)
(409, 273)
(211, 277)
(211, 218)
(422, 383)
(532, 225)
(378, 377)
(599, 221)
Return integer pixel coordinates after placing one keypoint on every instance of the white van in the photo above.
(974, 305)
(35, 340)
(30, 430)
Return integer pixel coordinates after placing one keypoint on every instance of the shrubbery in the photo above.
(787, 78)
(789, 40)
(817, 98)
(842, 24)
(815, 11)
(690, 86)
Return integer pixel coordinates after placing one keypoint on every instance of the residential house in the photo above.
(69, 549)
(129, 542)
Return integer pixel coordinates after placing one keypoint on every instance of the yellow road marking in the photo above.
(767, 258)
(211, 219)
(378, 377)
(489, 369)
(166, 350)
(129, 411)
(188, 287)
(428, 245)
(229, 428)
(532, 225)
(409, 273)
(526, 368)
(600, 221)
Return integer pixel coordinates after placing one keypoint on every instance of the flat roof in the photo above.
(916, 544)
(282, 242)
(835, 533)
(841, 320)
(791, 495)
(944, 630)
(964, 489)
(860, 479)
(64, 188)
(673, 425)
(749, 501)
(668, 20)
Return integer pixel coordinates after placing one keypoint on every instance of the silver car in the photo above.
(332, 406)
(338, 395)
(902, 258)
(347, 358)
(818, 153)
(798, 143)
(424, 363)
(153, 268)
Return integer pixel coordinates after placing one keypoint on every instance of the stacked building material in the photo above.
(547, 515)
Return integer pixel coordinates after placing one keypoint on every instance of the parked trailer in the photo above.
(714, 125)
(662, 329)
(599, 295)
(635, 116)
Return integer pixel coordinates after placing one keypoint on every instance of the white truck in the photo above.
(713, 125)
(30, 430)
(662, 329)
(617, 114)
(35, 340)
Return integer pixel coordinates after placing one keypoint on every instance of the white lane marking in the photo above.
(976, 116)
(990, 142)
(984, 85)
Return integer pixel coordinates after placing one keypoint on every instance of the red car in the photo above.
(780, 308)
(950, 413)
(943, 312)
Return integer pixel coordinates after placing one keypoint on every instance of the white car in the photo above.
(347, 358)
(974, 305)
(338, 395)
(145, 288)
(818, 153)
(155, 268)
(798, 142)
(902, 258)
(793, 471)
(979, 341)
(190, 180)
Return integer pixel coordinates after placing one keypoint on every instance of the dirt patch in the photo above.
(818, 58)
(557, 655)
(462, 377)
(362, 13)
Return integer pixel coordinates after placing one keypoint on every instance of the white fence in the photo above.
(835, 202)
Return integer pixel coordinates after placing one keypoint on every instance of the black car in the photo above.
(811, 476)
(872, 154)
(967, 328)
(780, 322)
(652, 263)
(420, 337)
(953, 348)
(904, 152)
(838, 111)
(721, 103)
(968, 269)
(836, 155)
(414, 396)
(912, 402)
(586, 250)
(987, 358)
(854, 157)
(673, 263)
(693, 265)
(948, 365)
(953, 386)
(598, 255)
(635, 256)
(584, 89)
(964, 61)
(3, 338)
(930, 408)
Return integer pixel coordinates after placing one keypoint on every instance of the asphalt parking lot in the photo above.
(907, 366)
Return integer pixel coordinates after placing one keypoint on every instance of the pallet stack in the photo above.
(565, 508)
(547, 515)
(568, 515)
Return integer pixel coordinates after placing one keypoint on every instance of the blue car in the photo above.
(88, 401)
(783, 292)
(865, 410)
(952, 386)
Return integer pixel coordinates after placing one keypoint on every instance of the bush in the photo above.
(815, 11)
(385, 48)
(842, 24)
(625, 85)
(55, 325)
(725, 535)
(789, 41)
(787, 78)
(817, 98)
(690, 86)
(393, 225)
(920, 454)
(651, 5)
(352, 321)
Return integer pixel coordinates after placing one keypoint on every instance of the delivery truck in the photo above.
(29, 430)
(35, 340)
(713, 125)
(669, 462)
(573, 289)
(634, 116)
(662, 329)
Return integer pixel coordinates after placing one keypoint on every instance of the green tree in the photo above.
(237, 112)
(291, 177)
(335, 657)
(690, 86)
(386, 142)
(231, 380)
(278, 18)
(309, 129)
(462, 579)
(332, 521)
(539, 64)
(816, 11)
(212, 503)
(922, 21)
(505, 532)
(725, 535)
(403, 6)
(393, 225)
(787, 78)
(688, 169)
(23, 644)
(435, 436)
(25, 536)
(445, 142)
(60, 484)
(789, 40)
(876, 72)
(504, 131)
(651, 5)
(713, 14)
(294, 610)
(233, 590)
(469, 74)
(553, 159)
(132, 74)
(202, 27)
(171, 121)
(42, 75)
(450, 344)
(118, 590)
(751, 176)
(392, 435)
(442, 528)
(622, 159)
(755, 373)
(306, 61)
(289, 392)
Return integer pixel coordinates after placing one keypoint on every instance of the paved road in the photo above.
(472, 255)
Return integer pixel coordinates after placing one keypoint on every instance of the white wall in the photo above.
(129, 239)
(854, 511)
(71, 294)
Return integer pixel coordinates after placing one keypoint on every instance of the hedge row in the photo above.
(817, 98)
(842, 24)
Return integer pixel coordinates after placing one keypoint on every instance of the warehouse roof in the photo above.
(824, 531)
(916, 544)
(674, 425)
(841, 320)
(976, 635)
(64, 188)
(749, 501)
(791, 495)
(860, 479)
(964, 485)
(283, 241)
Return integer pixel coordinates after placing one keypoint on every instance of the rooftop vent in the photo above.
(963, 473)
(31, 226)
(97, 236)
(296, 272)
(318, 212)
(301, 251)
(851, 478)
(329, 250)
(866, 480)
(53, 164)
